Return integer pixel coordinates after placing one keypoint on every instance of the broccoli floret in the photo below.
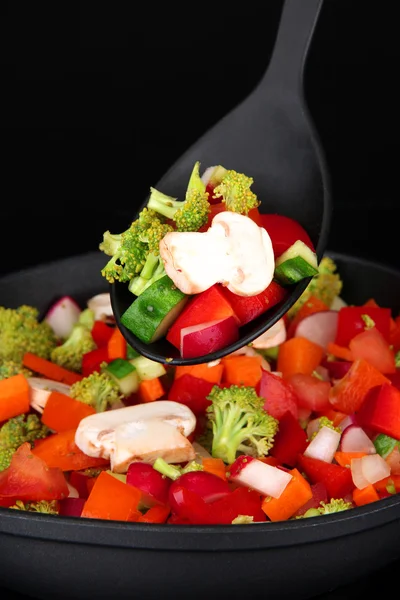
(41, 506)
(98, 390)
(134, 250)
(397, 360)
(175, 471)
(79, 342)
(234, 191)
(15, 432)
(327, 508)
(9, 368)
(239, 423)
(326, 286)
(21, 331)
(190, 214)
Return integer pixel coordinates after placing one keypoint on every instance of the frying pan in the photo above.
(51, 557)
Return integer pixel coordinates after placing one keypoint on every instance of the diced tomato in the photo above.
(284, 232)
(101, 333)
(351, 322)
(278, 395)
(247, 308)
(210, 305)
(290, 440)
(191, 391)
(373, 347)
(380, 410)
(29, 478)
(336, 479)
(311, 392)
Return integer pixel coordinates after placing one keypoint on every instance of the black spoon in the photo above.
(270, 137)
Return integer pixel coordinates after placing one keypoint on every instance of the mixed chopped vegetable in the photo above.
(303, 422)
(189, 263)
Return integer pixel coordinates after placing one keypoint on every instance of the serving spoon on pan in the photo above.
(269, 136)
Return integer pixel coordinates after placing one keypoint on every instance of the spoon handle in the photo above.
(296, 27)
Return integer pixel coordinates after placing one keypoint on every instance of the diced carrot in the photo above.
(116, 345)
(313, 305)
(156, 514)
(49, 369)
(344, 458)
(206, 371)
(297, 492)
(111, 499)
(62, 412)
(298, 355)
(14, 397)
(242, 370)
(348, 394)
(365, 496)
(151, 390)
(339, 351)
(60, 450)
(215, 466)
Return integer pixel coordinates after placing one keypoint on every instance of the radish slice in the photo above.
(152, 484)
(73, 492)
(41, 388)
(101, 306)
(370, 468)
(347, 421)
(71, 507)
(312, 427)
(319, 327)
(259, 476)
(274, 336)
(324, 445)
(62, 316)
(207, 174)
(337, 368)
(205, 338)
(354, 439)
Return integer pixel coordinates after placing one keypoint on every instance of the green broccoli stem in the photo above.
(229, 432)
(140, 283)
(111, 243)
(163, 204)
(166, 469)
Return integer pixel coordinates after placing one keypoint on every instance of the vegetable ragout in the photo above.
(303, 422)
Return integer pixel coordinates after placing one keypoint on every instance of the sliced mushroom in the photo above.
(101, 306)
(41, 388)
(234, 251)
(142, 432)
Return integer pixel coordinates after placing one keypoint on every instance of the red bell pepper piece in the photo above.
(92, 360)
(373, 347)
(191, 391)
(350, 322)
(241, 501)
(79, 481)
(247, 308)
(338, 480)
(395, 378)
(290, 440)
(189, 506)
(210, 305)
(278, 395)
(101, 333)
(395, 334)
(380, 410)
(284, 232)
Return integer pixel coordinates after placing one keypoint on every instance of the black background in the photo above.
(99, 99)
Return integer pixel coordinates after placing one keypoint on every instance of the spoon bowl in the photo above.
(269, 136)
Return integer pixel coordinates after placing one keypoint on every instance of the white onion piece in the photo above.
(337, 303)
(62, 316)
(101, 306)
(201, 452)
(354, 439)
(357, 473)
(324, 445)
(41, 388)
(374, 468)
(274, 336)
(319, 327)
(265, 479)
